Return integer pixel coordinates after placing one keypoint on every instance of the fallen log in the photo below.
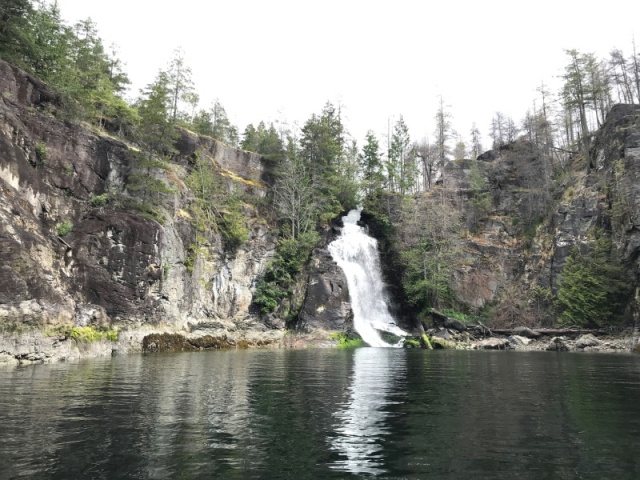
(553, 331)
(424, 338)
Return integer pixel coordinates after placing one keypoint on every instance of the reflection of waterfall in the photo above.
(357, 254)
(361, 425)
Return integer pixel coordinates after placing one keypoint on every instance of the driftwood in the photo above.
(485, 331)
(553, 331)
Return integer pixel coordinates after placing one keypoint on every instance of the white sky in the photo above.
(283, 59)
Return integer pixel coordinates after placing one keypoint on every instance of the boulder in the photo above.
(440, 344)
(557, 344)
(443, 333)
(587, 340)
(494, 344)
(518, 341)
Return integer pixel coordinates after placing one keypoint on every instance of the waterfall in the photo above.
(357, 254)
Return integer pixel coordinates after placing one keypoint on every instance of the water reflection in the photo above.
(362, 425)
(324, 414)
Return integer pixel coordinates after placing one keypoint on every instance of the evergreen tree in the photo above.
(179, 83)
(427, 240)
(322, 144)
(370, 164)
(16, 43)
(250, 139)
(593, 288)
(156, 132)
(221, 127)
(399, 168)
(460, 150)
(270, 145)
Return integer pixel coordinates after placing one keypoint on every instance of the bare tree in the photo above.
(443, 131)
(620, 77)
(295, 198)
(635, 68)
(427, 157)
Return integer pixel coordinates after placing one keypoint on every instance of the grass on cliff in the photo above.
(87, 334)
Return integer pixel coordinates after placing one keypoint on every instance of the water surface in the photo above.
(386, 413)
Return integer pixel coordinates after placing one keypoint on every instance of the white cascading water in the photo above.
(357, 254)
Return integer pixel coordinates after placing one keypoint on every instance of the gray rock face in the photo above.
(115, 267)
(498, 268)
(326, 305)
(444, 334)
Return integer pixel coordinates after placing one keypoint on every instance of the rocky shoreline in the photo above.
(38, 347)
(530, 340)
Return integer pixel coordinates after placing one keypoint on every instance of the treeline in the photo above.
(72, 59)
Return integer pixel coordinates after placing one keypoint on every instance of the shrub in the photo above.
(64, 227)
(100, 200)
(456, 315)
(165, 270)
(275, 285)
(42, 152)
(145, 210)
(233, 229)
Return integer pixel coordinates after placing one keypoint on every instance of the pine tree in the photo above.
(401, 170)
(322, 144)
(156, 132)
(593, 288)
(179, 83)
(15, 35)
(370, 164)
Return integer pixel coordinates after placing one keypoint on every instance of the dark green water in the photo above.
(388, 413)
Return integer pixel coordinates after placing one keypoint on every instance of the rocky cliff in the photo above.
(508, 261)
(71, 258)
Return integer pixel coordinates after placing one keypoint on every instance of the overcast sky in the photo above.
(283, 59)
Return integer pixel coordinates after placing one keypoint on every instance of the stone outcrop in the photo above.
(326, 305)
(69, 260)
(516, 266)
